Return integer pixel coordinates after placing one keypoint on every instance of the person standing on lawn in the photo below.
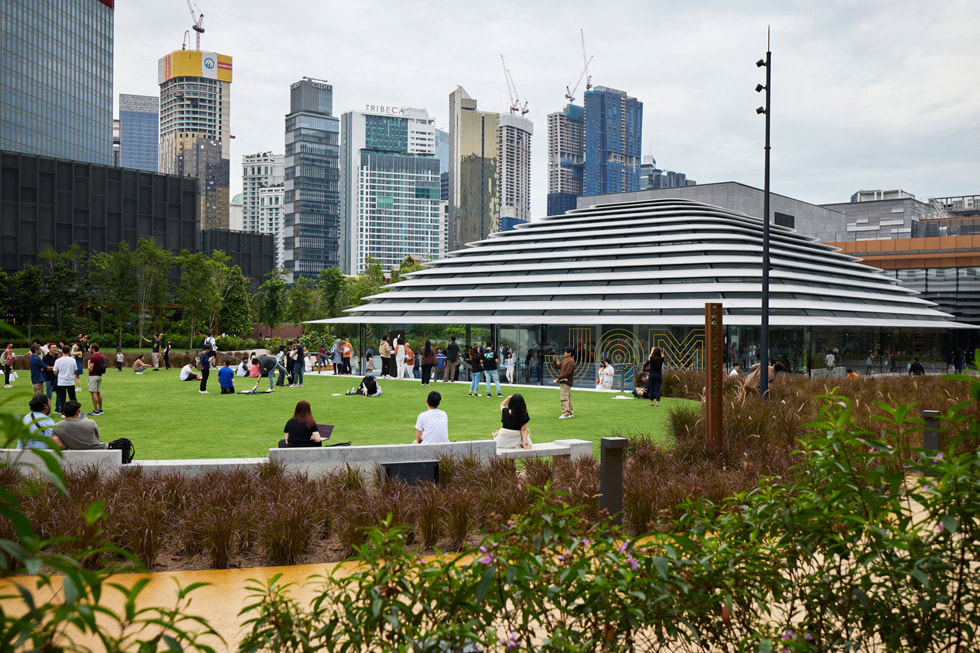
(452, 360)
(566, 377)
(38, 369)
(205, 365)
(154, 349)
(96, 368)
(490, 372)
(7, 359)
(49, 357)
(348, 351)
(64, 370)
(166, 353)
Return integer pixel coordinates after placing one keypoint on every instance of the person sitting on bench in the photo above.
(301, 428)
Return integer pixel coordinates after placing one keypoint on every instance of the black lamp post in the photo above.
(764, 335)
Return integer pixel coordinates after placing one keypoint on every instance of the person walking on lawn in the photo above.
(566, 377)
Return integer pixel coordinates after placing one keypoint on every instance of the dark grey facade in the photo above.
(53, 203)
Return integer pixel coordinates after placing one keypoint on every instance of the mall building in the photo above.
(615, 278)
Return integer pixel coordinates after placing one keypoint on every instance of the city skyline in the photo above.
(868, 96)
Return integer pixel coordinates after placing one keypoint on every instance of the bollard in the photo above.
(611, 477)
(930, 430)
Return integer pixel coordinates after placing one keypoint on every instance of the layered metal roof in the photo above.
(654, 261)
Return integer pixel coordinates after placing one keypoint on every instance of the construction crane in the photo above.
(198, 19)
(187, 39)
(570, 92)
(515, 100)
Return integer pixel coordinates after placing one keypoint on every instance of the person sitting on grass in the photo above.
(226, 378)
(368, 387)
(189, 373)
(301, 428)
(138, 365)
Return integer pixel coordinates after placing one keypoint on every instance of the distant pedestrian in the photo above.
(916, 368)
(38, 369)
(565, 379)
(656, 376)
(96, 369)
(120, 359)
(427, 358)
(64, 369)
(452, 360)
(166, 353)
(490, 372)
(7, 359)
(205, 366)
(476, 370)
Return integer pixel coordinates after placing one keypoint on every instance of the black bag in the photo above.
(99, 368)
(128, 450)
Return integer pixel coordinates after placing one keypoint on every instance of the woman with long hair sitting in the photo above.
(513, 431)
(301, 428)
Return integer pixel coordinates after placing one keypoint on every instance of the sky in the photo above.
(866, 94)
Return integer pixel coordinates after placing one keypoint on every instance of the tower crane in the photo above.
(570, 92)
(515, 100)
(198, 18)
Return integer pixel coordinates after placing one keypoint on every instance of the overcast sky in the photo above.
(867, 94)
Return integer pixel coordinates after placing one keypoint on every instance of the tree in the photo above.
(271, 299)
(152, 266)
(369, 282)
(202, 286)
(236, 313)
(330, 283)
(61, 293)
(28, 283)
(302, 302)
(122, 287)
(4, 299)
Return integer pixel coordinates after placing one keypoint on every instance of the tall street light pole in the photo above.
(764, 335)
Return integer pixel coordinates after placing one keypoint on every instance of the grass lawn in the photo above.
(168, 419)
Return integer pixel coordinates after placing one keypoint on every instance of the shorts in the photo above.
(94, 383)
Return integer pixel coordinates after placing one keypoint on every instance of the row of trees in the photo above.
(132, 292)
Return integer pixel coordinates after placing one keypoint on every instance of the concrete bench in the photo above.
(195, 467)
(318, 461)
(558, 448)
(107, 461)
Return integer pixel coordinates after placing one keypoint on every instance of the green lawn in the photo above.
(168, 419)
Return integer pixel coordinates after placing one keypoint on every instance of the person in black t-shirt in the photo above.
(513, 431)
(301, 428)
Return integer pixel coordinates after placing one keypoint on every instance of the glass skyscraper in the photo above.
(613, 135)
(139, 132)
(474, 203)
(391, 187)
(56, 78)
(311, 238)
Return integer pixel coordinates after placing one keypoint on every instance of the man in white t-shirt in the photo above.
(432, 425)
(64, 370)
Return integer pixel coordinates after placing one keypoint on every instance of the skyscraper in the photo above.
(139, 135)
(474, 208)
(56, 78)
(262, 197)
(312, 232)
(391, 190)
(566, 156)
(195, 126)
(613, 133)
(514, 183)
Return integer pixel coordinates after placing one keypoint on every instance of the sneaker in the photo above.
(8, 386)
(268, 391)
(471, 394)
(293, 385)
(204, 392)
(499, 395)
(489, 395)
(565, 416)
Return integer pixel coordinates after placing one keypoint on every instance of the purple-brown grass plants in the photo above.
(430, 511)
(352, 519)
(460, 507)
(393, 497)
(538, 472)
(577, 481)
(287, 526)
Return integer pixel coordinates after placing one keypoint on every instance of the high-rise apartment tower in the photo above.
(195, 127)
(474, 204)
(514, 181)
(566, 156)
(391, 189)
(613, 134)
(262, 196)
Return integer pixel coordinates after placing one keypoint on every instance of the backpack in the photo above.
(128, 450)
(99, 368)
